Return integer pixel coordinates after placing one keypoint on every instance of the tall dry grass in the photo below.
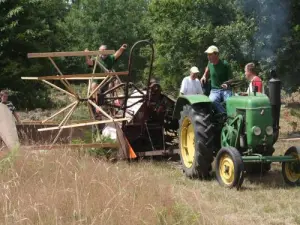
(65, 187)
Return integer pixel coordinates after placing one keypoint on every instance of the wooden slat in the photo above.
(69, 78)
(81, 76)
(63, 54)
(290, 139)
(83, 124)
(35, 122)
(57, 146)
(158, 152)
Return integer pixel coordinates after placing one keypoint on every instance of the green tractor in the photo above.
(240, 141)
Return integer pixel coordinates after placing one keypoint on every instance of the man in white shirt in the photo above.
(191, 85)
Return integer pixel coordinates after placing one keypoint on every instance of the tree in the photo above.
(27, 26)
(91, 23)
(182, 30)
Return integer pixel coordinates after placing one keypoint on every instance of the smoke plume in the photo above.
(272, 19)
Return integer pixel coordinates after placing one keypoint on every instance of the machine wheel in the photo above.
(229, 167)
(291, 170)
(195, 137)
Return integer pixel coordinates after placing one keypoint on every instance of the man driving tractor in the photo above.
(218, 71)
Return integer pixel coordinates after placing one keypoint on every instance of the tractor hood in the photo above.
(246, 102)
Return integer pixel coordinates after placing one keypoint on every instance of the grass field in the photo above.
(66, 187)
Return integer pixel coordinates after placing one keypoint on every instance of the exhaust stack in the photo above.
(275, 100)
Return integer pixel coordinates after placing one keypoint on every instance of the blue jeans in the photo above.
(217, 96)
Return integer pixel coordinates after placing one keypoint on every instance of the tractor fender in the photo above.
(183, 100)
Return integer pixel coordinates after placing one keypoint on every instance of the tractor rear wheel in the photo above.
(229, 167)
(195, 141)
(291, 170)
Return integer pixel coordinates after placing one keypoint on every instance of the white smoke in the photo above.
(272, 18)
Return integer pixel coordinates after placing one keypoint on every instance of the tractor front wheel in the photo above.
(229, 167)
(195, 137)
(291, 170)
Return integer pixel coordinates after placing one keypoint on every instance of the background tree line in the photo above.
(264, 31)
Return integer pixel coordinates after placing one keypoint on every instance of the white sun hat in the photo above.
(212, 49)
(194, 69)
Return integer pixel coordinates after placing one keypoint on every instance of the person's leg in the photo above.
(216, 97)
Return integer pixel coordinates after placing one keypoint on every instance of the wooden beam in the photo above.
(64, 82)
(58, 146)
(290, 139)
(63, 122)
(36, 122)
(81, 76)
(69, 78)
(59, 112)
(58, 88)
(100, 109)
(83, 124)
(63, 54)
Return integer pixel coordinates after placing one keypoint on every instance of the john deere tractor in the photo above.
(241, 141)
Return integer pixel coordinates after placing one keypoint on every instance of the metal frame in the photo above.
(107, 77)
(106, 95)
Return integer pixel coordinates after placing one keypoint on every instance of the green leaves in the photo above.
(244, 31)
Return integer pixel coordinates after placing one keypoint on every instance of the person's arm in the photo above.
(229, 76)
(200, 88)
(88, 60)
(205, 75)
(120, 51)
(183, 87)
(17, 117)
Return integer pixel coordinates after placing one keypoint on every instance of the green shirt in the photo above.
(219, 73)
(108, 62)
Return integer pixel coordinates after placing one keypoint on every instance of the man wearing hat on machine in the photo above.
(218, 71)
(191, 85)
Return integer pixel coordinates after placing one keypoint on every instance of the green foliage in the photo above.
(91, 23)
(107, 153)
(28, 26)
(182, 30)
(244, 31)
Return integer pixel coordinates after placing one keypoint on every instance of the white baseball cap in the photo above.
(212, 49)
(194, 69)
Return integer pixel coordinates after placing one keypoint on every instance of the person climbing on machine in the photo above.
(106, 62)
(218, 71)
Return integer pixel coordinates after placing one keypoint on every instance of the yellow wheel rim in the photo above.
(291, 175)
(226, 169)
(187, 144)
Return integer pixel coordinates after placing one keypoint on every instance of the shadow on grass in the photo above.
(271, 180)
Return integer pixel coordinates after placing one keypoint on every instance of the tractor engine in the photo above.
(250, 124)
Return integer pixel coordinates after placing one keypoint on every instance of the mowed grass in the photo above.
(65, 187)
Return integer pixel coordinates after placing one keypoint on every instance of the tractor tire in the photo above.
(229, 167)
(291, 170)
(195, 142)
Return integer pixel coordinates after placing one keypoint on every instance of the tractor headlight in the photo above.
(256, 131)
(269, 130)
